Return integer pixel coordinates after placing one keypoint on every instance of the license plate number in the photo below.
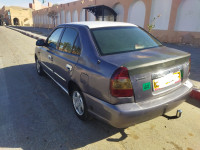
(167, 80)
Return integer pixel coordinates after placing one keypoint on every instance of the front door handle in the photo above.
(50, 57)
(69, 67)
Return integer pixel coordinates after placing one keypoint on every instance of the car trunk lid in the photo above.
(153, 65)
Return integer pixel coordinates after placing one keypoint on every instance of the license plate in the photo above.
(167, 80)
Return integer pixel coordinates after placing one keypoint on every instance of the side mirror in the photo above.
(40, 42)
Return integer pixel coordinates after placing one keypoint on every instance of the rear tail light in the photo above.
(120, 83)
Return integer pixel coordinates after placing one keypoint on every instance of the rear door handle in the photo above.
(50, 57)
(69, 67)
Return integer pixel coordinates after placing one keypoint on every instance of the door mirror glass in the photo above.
(40, 42)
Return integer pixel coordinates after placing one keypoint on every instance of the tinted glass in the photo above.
(67, 40)
(123, 39)
(77, 47)
(53, 39)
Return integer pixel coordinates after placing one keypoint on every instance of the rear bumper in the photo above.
(124, 115)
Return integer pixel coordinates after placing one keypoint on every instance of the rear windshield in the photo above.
(113, 40)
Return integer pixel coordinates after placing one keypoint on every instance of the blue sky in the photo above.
(25, 3)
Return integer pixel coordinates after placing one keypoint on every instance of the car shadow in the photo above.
(37, 114)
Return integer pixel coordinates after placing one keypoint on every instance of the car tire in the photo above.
(79, 104)
(39, 67)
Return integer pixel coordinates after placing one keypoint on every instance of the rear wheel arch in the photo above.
(71, 86)
(74, 88)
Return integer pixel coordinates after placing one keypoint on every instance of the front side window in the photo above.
(67, 41)
(113, 40)
(53, 39)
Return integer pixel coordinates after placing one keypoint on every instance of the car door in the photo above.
(66, 56)
(48, 50)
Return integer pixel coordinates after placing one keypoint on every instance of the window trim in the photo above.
(75, 42)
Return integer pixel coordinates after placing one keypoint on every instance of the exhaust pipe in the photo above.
(178, 115)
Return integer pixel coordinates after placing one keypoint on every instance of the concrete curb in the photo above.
(194, 94)
(35, 36)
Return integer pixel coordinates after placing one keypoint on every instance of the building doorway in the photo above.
(16, 21)
(102, 13)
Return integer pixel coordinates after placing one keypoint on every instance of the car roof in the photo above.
(101, 24)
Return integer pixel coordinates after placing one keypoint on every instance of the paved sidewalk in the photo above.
(42, 33)
(36, 33)
(195, 66)
(195, 59)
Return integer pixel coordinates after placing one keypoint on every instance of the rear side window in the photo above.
(53, 39)
(67, 41)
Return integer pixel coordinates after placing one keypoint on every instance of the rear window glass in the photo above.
(122, 39)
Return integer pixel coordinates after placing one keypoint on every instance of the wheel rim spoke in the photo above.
(78, 103)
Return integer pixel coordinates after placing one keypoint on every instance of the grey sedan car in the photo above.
(116, 72)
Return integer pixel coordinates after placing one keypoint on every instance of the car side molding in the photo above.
(64, 89)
